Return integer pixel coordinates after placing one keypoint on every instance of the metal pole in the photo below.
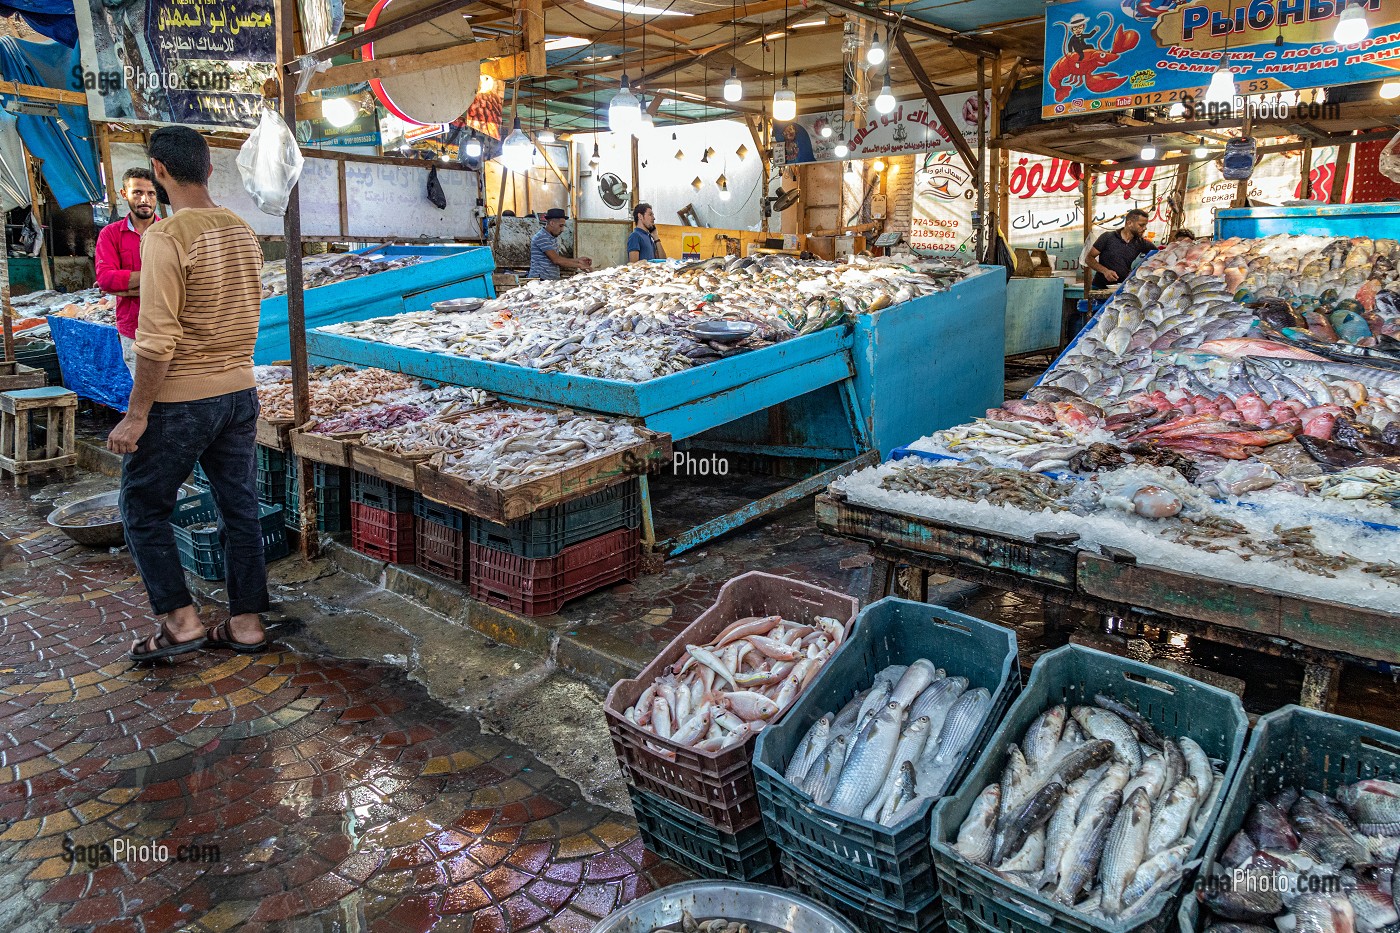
(286, 12)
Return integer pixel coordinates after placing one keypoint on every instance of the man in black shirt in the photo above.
(1112, 254)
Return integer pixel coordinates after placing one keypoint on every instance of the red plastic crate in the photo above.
(441, 550)
(382, 534)
(539, 586)
(718, 787)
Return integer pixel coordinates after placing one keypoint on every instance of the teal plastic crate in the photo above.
(548, 531)
(675, 833)
(1296, 747)
(202, 553)
(864, 911)
(271, 475)
(891, 864)
(977, 901)
(199, 478)
(332, 488)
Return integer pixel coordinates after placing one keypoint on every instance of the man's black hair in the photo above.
(639, 210)
(142, 173)
(1136, 212)
(183, 152)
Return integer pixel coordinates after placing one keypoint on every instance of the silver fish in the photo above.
(1158, 873)
(874, 701)
(959, 729)
(1030, 817)
(937, 700)
(1198, 766)
(808, 750)
(1043, 736)
(977, 835)
(822, 777)
(1114, 781)
(1170, 821)
(901, 792)
(868, 763)
(910, 749)
(1016, 782)
(1030, 857)
(1124, 850)
(1152, 776)
(1082, 855)
(1061, 828)
(1175, 761)
(1102, 724)
(916, 679)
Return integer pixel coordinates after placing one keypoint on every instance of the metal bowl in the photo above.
(458, 304)
(108, 534)
(722, 331)
(747, 903)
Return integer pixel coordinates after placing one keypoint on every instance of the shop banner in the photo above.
(1276, 179)
(192, 62)
(1117, 54)
(910, 127)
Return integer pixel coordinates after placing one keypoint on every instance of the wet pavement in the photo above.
(308, 792)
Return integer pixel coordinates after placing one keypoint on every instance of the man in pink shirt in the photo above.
(119, 256)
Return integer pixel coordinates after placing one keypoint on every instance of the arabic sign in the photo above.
(1116, 54)
(1276, 179)
(192, 62)
(910, 127)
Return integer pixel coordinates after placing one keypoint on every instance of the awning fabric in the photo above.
(68, 156)
(51, 18)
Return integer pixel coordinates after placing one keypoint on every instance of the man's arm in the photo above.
(158, 330)
(634, 255)
(1092, 261)
(111, 277)
(564, 262)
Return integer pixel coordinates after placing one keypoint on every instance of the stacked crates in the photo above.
(535, 565)
(381, 519)
(439, 538)
(332, 489)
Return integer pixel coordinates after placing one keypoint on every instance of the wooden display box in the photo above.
(504, 504)
(330, 449)
(274, 434)
(15, 375)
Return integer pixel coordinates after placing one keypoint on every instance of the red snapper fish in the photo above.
(1253, 346)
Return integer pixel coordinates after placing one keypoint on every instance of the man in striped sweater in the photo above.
(194, 401)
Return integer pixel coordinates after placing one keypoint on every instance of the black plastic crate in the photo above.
(690, 841)
(438, 513)
(201, 551)
(866, 911)
(377, 493)
(548, 531)
(271, 475)
(332, 487)
(200, 478)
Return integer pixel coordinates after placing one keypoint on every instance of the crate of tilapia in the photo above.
(1309, 833)
(848, 780)
(684, 729)
(1090, 807)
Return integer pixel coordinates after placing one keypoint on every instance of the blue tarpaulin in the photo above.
(51, 18)
(69, 159)
(91, 358)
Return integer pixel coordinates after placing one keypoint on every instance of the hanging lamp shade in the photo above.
(842, 150)
(595, 158)
(1222, 84)
(624, 111)
(875, 55)
(546, 135)
(517, 152)
(733, 87)
(885, 102)
(473, 148)
(1351, 26)
(784, 104)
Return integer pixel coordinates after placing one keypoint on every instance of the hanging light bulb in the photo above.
(885, 102)
(878, 165)
(733, 87)
(826, 131)
(595, 159)
(339, 111)
(1390, 90)
(517, 152)
(784, 103)
(1149, 151)
(842, 150)
(473, 146)
(723, 184)
(1222, 84)
(1351, 26)
(1177, 110)
(875, 55)
(546, 135)
(625, 111)
(645, 123)
(1201, 151)
(852, 172)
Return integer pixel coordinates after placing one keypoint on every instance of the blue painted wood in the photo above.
(933, 362)
(608, 396)
(451, 272)
(810, 426)
(1372, 220)
(1034, 309)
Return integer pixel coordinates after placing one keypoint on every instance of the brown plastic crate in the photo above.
(440, 549)
(719, 787)
(540, 586)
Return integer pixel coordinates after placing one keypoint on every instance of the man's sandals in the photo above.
(163, 645)
(221, 636)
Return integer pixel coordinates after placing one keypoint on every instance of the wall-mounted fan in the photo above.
(782, 199)
(613, 191)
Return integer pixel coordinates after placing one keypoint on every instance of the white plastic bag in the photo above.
(1390, 160)
(270, 164)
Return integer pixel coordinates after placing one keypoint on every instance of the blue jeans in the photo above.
(218, 433)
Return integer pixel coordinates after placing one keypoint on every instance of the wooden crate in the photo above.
(274, 434)
(506, 504)
(15, 375)
(399, 469)
(330, 449)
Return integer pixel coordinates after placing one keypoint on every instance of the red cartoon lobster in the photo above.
(1080, 66)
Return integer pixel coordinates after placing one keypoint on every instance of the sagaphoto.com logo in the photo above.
(188, 79)
(96, 854)
(1262, 108)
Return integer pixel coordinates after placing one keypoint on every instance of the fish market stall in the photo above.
(1217, 453)
(686, 349)
(339, 287)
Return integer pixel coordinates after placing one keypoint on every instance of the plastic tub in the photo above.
(892, 864)
(202, 552)
(977, 900)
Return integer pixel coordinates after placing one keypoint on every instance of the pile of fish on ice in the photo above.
(1264, 372)
(637, 322)
(1305, 862)
(1095, 809)
(730, 689)
(894, 746)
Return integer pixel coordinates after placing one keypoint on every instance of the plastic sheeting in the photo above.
(53, 19)
(69, 160)
(91, 358)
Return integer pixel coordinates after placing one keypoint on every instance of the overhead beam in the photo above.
(35, 92)
(935, 100)
(1340, 139)
(380, 32)
(399, 65)
(906, 24)
(533, 35)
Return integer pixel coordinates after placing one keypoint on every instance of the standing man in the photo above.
(545, 260)
(194, 401)
(119, 256)
(641, 245)
(1111, 257)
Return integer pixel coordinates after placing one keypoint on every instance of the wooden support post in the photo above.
(1339, 174)
(1305, 179)
(532, 27)
(981, 229)
(911, 61)
(6, 312)
(104, 147)
(1087, 189)
(1001, 156)
(344, 199)
(1179, 196)
(286, 12)
(31, 168)
(636, 173)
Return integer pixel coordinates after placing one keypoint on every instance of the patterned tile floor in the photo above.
(338, 794)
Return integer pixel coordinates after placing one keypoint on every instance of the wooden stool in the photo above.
(15, 375)
(21, 409)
